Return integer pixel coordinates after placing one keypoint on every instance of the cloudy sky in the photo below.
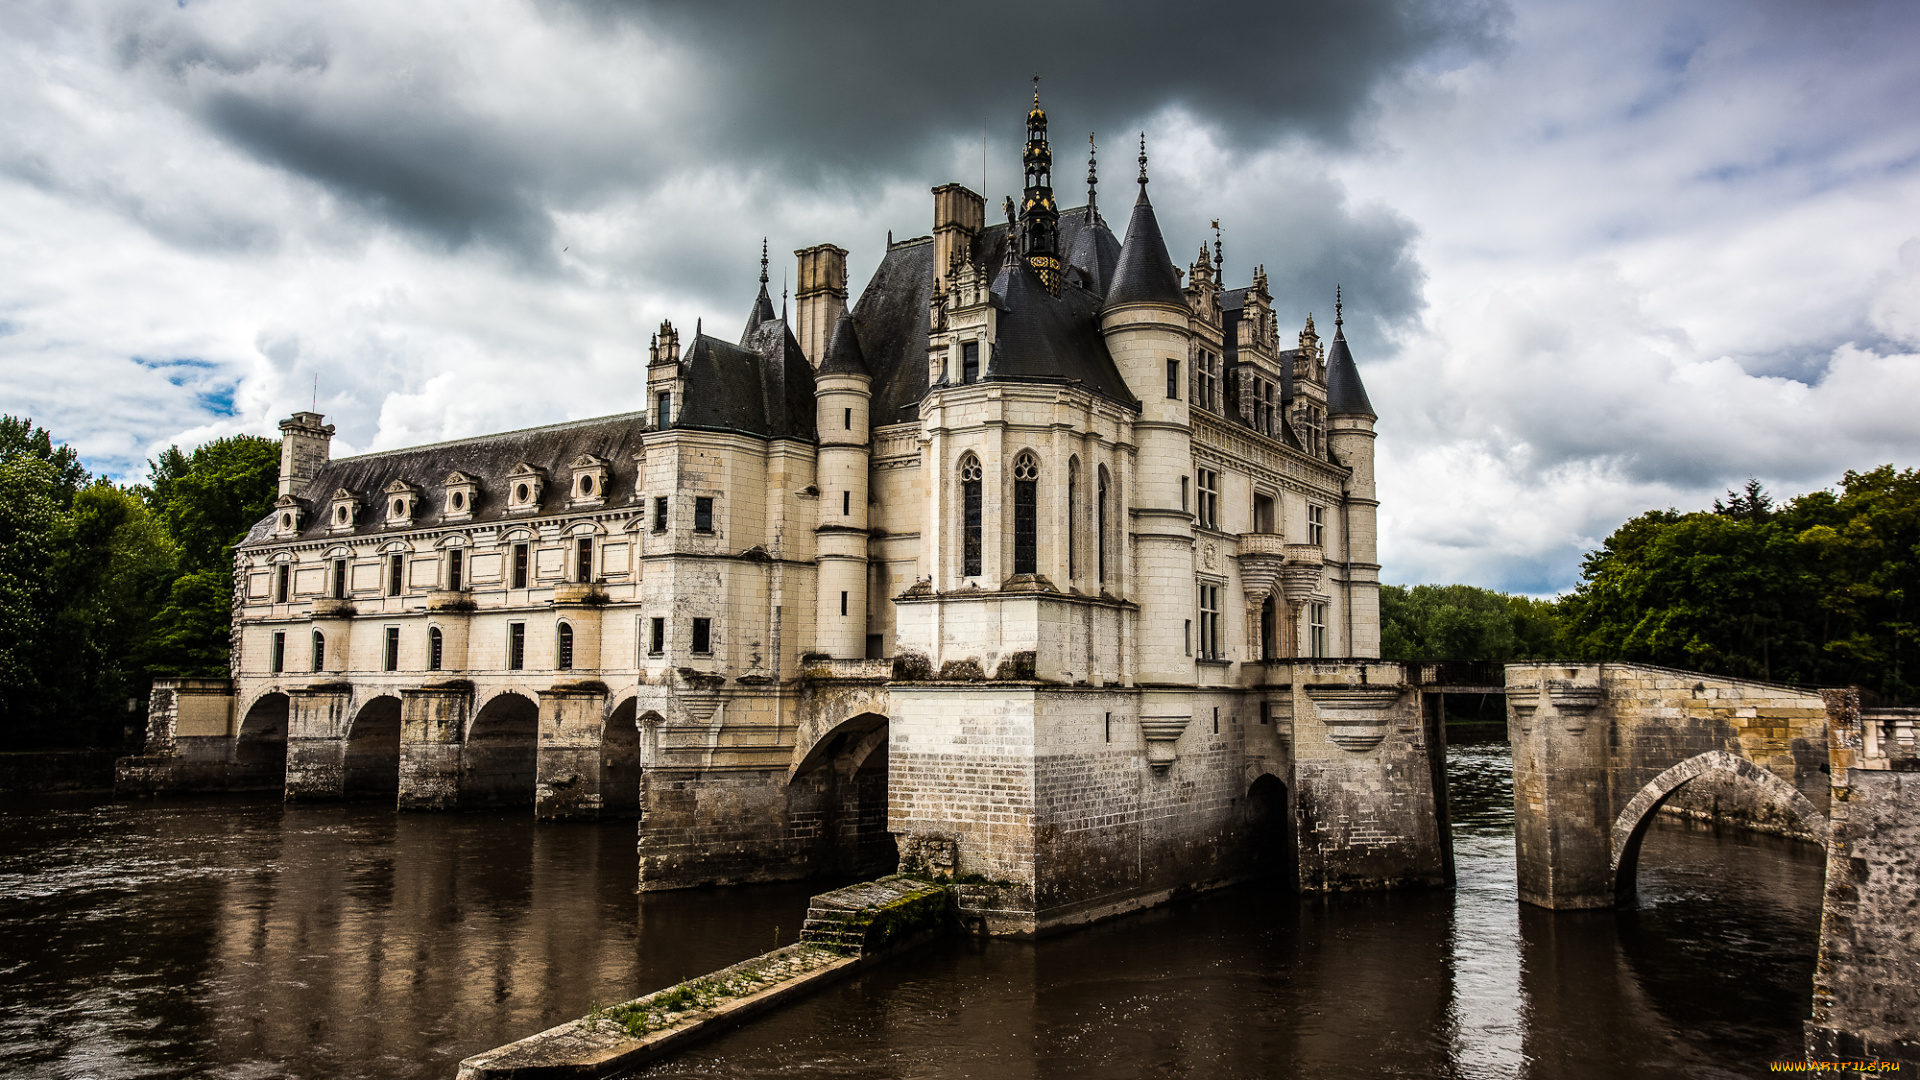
(1599, 256)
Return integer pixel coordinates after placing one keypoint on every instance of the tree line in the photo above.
(104, 586)
(1819, 591)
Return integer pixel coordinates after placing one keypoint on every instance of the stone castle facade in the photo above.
(1044, 563)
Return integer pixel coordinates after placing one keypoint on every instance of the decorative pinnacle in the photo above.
(1093, 160)
(1036, 90)
(1219, 262)
(763, 260)
(1143, 159)
(1336, 305)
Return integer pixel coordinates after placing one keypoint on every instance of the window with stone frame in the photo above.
(390, 655)
(456, 569)
(282, 579)
(1317, 525)
(278, 659)
(1026, 514)
(396, 573)
(1073, 518)
(1210, 643)
(1209, 505)
(516, 646)
(522, 558)
(970, 516)
(703, 514)
(1100, 515)
(1207, 368)
(436, 648)
(319, 651)
(702, 637)
(563, 647)
(1316, 629)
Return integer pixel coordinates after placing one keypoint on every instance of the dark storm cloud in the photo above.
(845, 97)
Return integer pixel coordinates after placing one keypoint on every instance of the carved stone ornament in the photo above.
(1355, 716)
(1161, 733)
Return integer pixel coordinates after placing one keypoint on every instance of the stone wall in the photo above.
(1866, 988)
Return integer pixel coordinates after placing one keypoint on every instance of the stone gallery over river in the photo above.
(1046, 567)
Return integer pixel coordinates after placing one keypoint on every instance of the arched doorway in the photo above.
(1270, 829)
(260, 748)
(373, 750)
(620, 764)
(1630, 828)
(500, 758)
(843, 777)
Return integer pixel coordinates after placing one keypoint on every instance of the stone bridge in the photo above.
(1598, 749)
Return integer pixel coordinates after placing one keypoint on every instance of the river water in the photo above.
(235, 938)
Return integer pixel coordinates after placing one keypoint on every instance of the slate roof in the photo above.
(784, 383)
(1145, 272)
(844, 355)
(489, 460)
(1042, 338)
(1346, 394)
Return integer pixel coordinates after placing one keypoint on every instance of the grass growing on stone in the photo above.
(663, 1009)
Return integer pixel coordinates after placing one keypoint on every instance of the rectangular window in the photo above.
(843, 603)
(436, 648)
(279, 651)
(703, 514)
(1209, 622)
(660, 514)
(1173, 380)
(390, 658)
(657, 638)
(1266, 712)
(339, 579)
(702, 636)
(849, 419)
(1109, 727)
(319, 651)
(521, 556)
(846, 503)
(1262, 514)
(456, 570)
(1216, 719)
(563, 642)
(583, 559)
(1317, 525)
(516, 646)
(1186, 487)
(1209, 498)
(664, 412)
(1209, 383)
(1317, 629)
(396, 570)
(1186, 637)
(282, 577)
(970, 362)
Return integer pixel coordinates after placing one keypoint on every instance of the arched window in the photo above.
(435, 648)
(1073, 518)
(319, 651)
(970, 515)
(1100, 523)
(565, 659)
(1026, 512)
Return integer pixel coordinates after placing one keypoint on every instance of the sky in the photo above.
(1598, 257)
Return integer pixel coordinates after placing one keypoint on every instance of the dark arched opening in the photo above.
(843, 778)
(260, 748)
(1766, 803)
(1269, 622)
(373, 750)
(1270, 828)
(500, 759)
(620, 764)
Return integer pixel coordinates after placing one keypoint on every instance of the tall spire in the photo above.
(763, 260)
(1145, 272)
(762, 304)
(1346, 394)
(1040, 216)
(1093, 174)
(1143, 164)
(1336, 311)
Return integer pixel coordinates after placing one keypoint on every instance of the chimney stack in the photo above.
(958, 216)
(820, 299)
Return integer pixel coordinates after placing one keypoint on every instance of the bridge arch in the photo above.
(260, 742)
(620, 761)
(500, 757)
(1269, 819)
(847, 744)
(1630, 827)
(373, 748)
(841, 775)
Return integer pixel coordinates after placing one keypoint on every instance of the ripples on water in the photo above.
(246, 939)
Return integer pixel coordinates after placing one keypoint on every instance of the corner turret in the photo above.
(305, 447)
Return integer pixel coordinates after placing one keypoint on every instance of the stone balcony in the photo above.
(333, 607)
(579, 593)
(450, 600)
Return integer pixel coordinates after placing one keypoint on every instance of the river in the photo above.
(242, 938)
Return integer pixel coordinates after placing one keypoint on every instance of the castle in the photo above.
(1044, 565)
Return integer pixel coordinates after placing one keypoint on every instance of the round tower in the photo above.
(843, 392)
(1350, 437)
(1146, 323)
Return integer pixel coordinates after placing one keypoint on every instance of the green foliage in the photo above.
(1818, 591)
(1461, 622)
(102, 587)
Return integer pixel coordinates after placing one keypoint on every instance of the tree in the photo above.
(207, 500)
(18, 437)
(28, 599)
(1462, 622)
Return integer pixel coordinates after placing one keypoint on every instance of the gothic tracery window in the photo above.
(1026, 511)
(970, 514)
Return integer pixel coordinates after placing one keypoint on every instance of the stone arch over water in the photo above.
(373, 749)
(844, 772)
(500, 760)
(620, 762)
(1630, 827)
(1269, 818)
(260, 745)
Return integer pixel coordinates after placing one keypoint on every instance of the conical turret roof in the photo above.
(1145, 274)
(844, 355)
(1346, 394)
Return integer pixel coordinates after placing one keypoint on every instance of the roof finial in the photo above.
(1219, 261)
(763, 260)
(1143, 159)
(1036, 89)
(1093, 161)
(1336, 307)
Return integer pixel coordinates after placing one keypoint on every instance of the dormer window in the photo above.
(589, 480)
(289, 516)
(402, 497)
(462, 492)
(524, 486)
(343, 511)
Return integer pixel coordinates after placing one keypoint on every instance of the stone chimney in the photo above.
(305, 446)
(958, 216)
(820, 298)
